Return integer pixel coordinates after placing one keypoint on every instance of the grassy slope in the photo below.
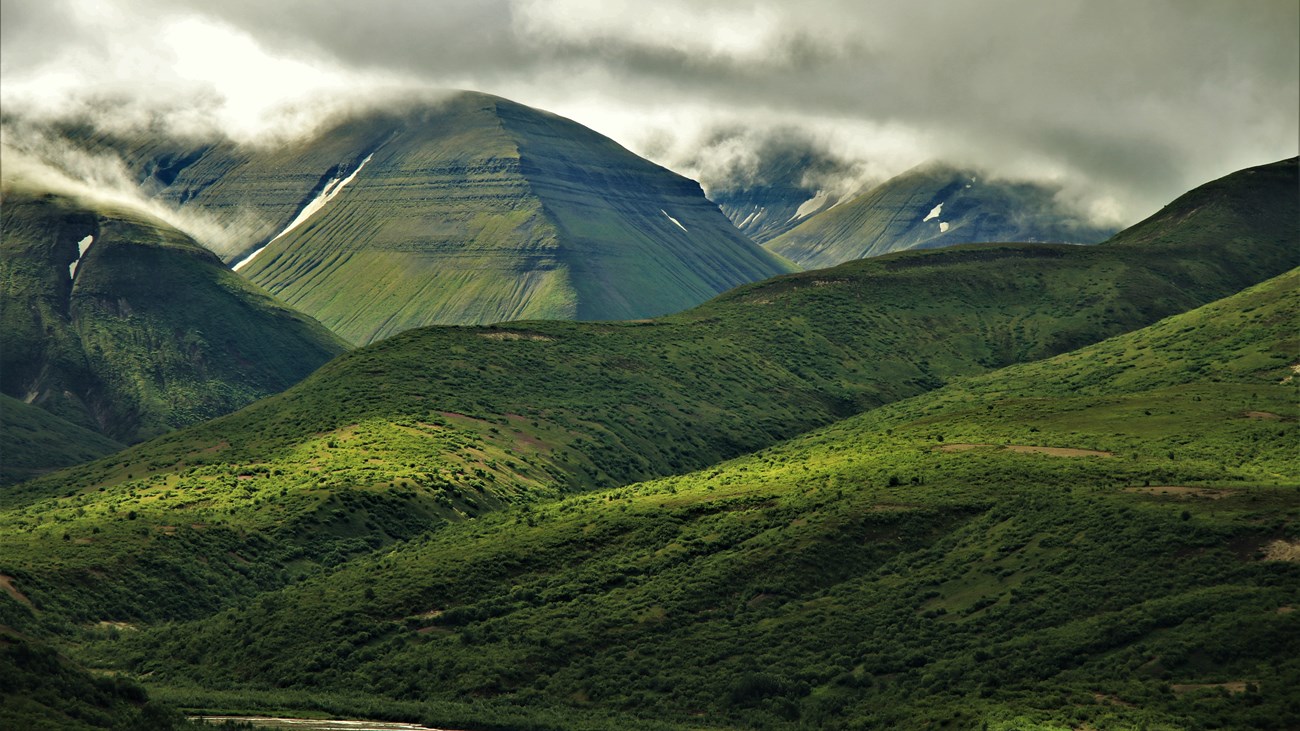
(42, 691)
(34, 441)
(471, 209)
(626, 257)
(862, 576)
(446, 423)
(437, 228)
(479, 210)
(152, 334)
(890, 218)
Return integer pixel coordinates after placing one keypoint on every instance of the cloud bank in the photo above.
(32, 160)
(1124, 104)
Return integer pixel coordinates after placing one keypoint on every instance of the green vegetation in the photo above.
(151, 334)
(879, 572)
(42, 691)
(449, 526)
(34, 441)
(928, 207)
(468, 209)
(449, 423)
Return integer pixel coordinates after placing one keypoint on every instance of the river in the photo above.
(310, 724)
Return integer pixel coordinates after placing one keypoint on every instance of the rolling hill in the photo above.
(117, 323)
(447, 424)
(469, 209)
(932, 206)
(33, 441)
(1104, 539)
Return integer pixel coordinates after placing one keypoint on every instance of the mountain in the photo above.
(33, 441)
(1105, 539)
(42, 691)
(783, 190)
(931, 206)
(447, 424)
(466, 210)
(117, 323)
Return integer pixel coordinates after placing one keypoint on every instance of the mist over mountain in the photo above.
(117, 323)
(932, 206)
(768, 182)
(461, 208)
(575, 365)
(1124, 105)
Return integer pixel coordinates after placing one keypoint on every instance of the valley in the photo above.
(1009, 485)
(583, 365)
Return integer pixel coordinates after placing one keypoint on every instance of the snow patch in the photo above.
(811, 206)
(943, 227)
(750, 217)
(82, 246)
(670, 218)
(934, 213)
(331, 190)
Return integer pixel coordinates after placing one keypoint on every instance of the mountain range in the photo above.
(467, 209)
(932, 206)
(1009, 485)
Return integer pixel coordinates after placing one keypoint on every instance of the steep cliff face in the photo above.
(466, 209)
(120, 324)
(929, 207)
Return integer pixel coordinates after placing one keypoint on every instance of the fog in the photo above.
(1124, 105)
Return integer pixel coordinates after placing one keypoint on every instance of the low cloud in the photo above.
(1125, 105)
(30, 159)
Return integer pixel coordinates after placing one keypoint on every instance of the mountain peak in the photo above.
(470, 209)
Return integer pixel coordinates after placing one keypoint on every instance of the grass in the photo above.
(856, 577)
(455, 523)
(448, 424)
(153, 333)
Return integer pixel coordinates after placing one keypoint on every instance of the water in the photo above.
(309, 724)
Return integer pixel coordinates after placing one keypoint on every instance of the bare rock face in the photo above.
(930, 207)
(465, 210)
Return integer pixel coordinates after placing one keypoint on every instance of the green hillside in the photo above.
(43, 691)
(1107, 539)
(469, 209)
(34, 441)
(122, 325)
(445, 424)
(928, 207)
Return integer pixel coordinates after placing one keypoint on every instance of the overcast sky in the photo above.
(1127, 103)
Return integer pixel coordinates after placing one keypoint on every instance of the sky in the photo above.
(1124, 103)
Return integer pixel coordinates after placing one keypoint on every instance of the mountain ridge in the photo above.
(450, 423)
(118, 323)
(932, 205)
(461, 209)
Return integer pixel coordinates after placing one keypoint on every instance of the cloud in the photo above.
(1124, 104)
(30, 159)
